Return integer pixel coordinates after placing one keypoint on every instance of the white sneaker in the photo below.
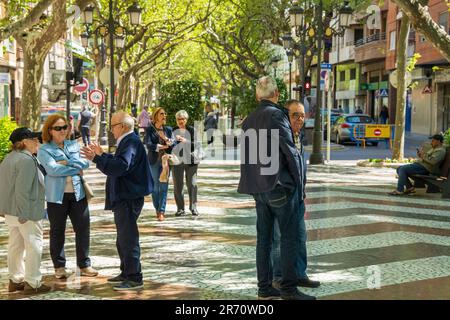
(62, 273)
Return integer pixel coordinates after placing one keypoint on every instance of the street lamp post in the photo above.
(297, 20)
(290, 56)
(116, 33)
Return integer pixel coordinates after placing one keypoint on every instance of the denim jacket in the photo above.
(55, 180)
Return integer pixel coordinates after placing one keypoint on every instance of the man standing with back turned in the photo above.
(274, 186)
(128, 181)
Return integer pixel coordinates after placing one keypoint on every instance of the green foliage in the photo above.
(447, 137)
(247, 97)
(182, 95)
(6, 127)
(387, 160)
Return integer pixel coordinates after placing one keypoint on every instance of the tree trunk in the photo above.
(402, 51)
(30, 113)
(124, 85)
(417, 12)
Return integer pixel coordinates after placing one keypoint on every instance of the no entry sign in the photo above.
(82, 87)
(96, 96)
(378, 131)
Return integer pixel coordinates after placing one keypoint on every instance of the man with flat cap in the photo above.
(427, 162)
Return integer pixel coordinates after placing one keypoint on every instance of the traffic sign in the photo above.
(427, 89)
(82, 87)
(96, 96)
(393, 78)
(378, 131)
(105, 75)
(384, 93)
(327, 66)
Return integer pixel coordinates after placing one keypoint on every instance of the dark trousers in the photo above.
(191, 183)
(126, 214)
(281, 204)
(78, 212)
(86, 135)
(407, 170)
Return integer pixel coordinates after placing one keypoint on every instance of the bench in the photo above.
(435, 183)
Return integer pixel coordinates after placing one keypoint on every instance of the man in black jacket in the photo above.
(128, 181)
(271, 171)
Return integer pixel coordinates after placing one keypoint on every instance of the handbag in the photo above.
(197, 155)
(87, 190)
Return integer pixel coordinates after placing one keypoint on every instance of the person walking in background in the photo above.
(84, 123)
(186, 137)
(159, 140)
(384, 114)
(296, 113)
(210, 125)
(358, 110)
(144, 119)
(128, 182)
(65, 195)
(275, 188)
(22, 199)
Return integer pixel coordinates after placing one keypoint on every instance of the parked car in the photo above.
(335, 114)
(342, 129)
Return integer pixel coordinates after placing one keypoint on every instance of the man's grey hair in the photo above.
(182, 114)
(126, 119)
(266, 88)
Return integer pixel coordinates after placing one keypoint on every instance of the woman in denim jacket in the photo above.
(65, 195)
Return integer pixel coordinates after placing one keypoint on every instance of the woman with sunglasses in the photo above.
(65, 195)
(159, 140)
(22, 199)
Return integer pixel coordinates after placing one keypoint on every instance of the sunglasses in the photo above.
(59, 128)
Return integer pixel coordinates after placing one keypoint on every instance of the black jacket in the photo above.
(128, 172)
(288, 171)
(151, 140)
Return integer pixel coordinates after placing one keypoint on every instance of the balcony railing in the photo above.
(369, 39)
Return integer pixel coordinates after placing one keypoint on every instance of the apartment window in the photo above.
(342, 76)
(352, 74)
(392, 38)
(443, 20)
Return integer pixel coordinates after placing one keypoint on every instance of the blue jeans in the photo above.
(281, 204)
(302, 261)
(86, 135)
(126, 214)
(159, 194)
(408, 170)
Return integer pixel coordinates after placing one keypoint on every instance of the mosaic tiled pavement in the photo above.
(358, 238)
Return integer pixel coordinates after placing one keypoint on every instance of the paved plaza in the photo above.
(362, 243)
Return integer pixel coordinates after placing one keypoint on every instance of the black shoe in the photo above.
(117, 279)
(194, 212)
(128, 285)
(270, 294)
(179, 213)
(297, 296)
(308, 283)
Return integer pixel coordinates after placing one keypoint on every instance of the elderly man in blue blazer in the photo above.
(128, 181)
(271, 171)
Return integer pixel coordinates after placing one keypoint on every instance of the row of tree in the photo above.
(224, 44)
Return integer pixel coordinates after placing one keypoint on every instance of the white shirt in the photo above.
(123, 136)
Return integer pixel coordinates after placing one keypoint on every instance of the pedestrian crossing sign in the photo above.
(383, 93)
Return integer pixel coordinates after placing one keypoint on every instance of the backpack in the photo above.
(85, 120)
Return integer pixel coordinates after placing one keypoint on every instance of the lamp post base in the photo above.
(316, 156)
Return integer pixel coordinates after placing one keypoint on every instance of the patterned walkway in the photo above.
(362, 243)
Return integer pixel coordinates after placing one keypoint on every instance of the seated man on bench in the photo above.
(427, 163)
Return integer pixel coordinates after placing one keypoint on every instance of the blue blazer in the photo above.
(128, 172)
(288, 173)
(152, 139)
